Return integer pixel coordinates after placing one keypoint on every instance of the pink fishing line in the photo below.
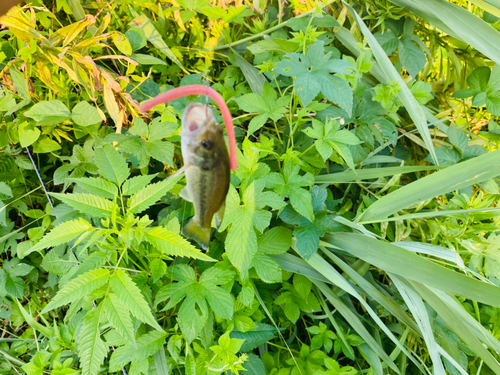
(183, 91)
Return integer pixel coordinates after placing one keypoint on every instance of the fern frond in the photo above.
(99, 186)
(149, 195)
(87, 203)
(128, 292)
(63, 233)
(82, 286)
(173, 244)
(112, 166)
(119, 317)
(92, 351)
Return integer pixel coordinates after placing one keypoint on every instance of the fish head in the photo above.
(201, 135)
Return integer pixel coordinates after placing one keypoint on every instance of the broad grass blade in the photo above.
(368, 174)
(460, 175)
(391, 74)
(453, 320)
(458, 22)
(417, 308)
(404, 263)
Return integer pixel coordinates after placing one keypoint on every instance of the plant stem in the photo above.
(269, 31)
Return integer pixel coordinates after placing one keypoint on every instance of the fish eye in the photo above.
(206, 144)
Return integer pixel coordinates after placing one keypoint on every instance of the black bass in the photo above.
(206, 162)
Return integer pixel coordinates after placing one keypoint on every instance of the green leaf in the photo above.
(87, 203)
(77, 288)
(267, 268)
(28, 133)
(162, 151)
(173, 244)
(390, 74)
(461, 175)
(96, 185)
(147, 59)
(137, 40)
(119, 317)
(150, 194)
(277, 240)
(412, 57)
(147, 345)
(61, 234)
(457, 138)
(85, 114)
(122, 43)
(5, 191)
(92, 350)
(154, 37)
(134, 184)
(20, 83)
(48, 112)
(241, 241)
(45, 145)
(128, 292)
(111, 164)
(312, 73)
(395, 259)
(255, 80)
(258, 336)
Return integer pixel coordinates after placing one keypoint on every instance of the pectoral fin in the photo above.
(219, 215)
(186, 194)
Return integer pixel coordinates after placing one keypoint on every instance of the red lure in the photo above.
(183, 91)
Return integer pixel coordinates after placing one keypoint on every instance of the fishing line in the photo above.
(32, 162)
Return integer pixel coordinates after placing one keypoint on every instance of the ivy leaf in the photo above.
(269, 106)
(328, 137)
(289, 184)
(313, 75)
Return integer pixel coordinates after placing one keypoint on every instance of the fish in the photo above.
(207, 171)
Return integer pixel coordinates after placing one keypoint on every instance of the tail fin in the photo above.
(194, 231)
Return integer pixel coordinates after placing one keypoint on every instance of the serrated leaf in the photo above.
(162, 151)
(87, 203)
(63, 233)
(96, 185)
(147, 345)
(92, 350)
(131, 296)
(220, 301)
(111, 164)
(253, 339)
(134, 184)
(157, 268)
(173, 244)
(412, 57)
(119, 317)
(275, 241)
(267, 268)
(150, 194)
(77, 288)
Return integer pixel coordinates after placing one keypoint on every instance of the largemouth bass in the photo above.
(207, 171)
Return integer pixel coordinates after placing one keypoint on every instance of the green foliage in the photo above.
(359, 233)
